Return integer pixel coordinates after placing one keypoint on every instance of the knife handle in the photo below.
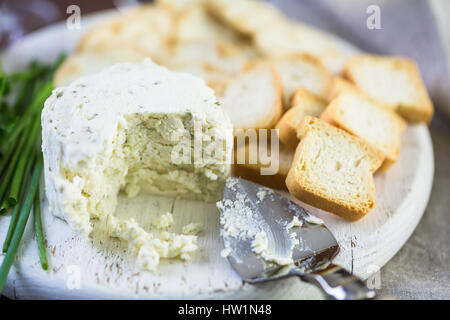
(338, 284)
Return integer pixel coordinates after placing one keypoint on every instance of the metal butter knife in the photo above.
(248, 209)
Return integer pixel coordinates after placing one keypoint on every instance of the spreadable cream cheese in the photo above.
(133, 128)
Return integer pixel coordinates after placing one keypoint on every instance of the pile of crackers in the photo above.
(340, 114)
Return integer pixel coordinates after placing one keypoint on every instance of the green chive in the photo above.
(21, 223)
(41, 95)
(6, 178)
(24, 158)
(2, 83)
(39, 232)
(19, 135)
(5, 160)
(15, 213)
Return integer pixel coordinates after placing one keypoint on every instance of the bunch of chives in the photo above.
(22, 97)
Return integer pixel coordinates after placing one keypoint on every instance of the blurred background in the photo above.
(416, 28)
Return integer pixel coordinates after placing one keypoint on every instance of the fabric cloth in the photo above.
(408, 27)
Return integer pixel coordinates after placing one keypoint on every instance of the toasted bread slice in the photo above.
(252, 170)
(359, 115)
(245, 16)
(339, 84)
(222, 54)
(304, 103)
(305, 71)
(274, 34)
(216, 62)
(214, 76)
(178, 6)
(253, 99)
(333, 170)
(195, 24)
(394, 82)
(147, 29)
(299, 70)
(284, 39)
(85, 63)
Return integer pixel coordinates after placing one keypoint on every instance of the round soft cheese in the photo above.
(117, 129)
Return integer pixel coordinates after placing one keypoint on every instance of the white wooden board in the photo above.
(102, 269)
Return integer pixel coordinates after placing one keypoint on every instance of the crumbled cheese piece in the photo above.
(295, 242)
(165, 221)
(146, 247)
(281, 261)
(231, 182)
(225, 252)
(260, 244)
(313, 220)
(237, 218)
(294, 223)
(239, 221)
(263, 192)
(192, 228)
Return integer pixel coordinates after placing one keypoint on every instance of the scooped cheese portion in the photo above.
(148, 247)
(242, 221)
(132, 128)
